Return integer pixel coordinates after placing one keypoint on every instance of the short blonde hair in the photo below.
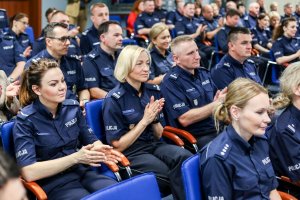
(127, 60)
(179, 40)
(239, 92)
(289, 80)
(95, 5)
(155, 31)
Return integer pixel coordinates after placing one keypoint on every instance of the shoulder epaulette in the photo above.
(85, 32)
(26, 112)
(223, 151)
(250, 61)
(152, 87)
(70, 102)
(40, 38)
(203, 68)
(227, 64)
(116, 93)
(174, 76)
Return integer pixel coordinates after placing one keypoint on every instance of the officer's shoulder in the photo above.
(86, 31)
(219, 148)
(203, 69)
(173, 75)
(152, 87)
(70, 102)
(250, 61)
(27, 111)
(73, 57)
(278, 39)
(93, 54)
(40, 39)
(7, 36)
(116, 93)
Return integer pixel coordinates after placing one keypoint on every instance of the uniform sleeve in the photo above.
(215, 179)
(222, 41)
(19, 52)
(277, 50)
(180, 28)
(139, 24)
(91, 74)
(176, 102)
(291, 148)
(86, 135)
(24, 142)
(113, 122)
(82, 84)
(222, 77)
(170, 18)
(85, 45)
(37, 47)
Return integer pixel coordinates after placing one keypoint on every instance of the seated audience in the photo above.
(133, 123)
(251, 19)
(236, 165)
(286, 48)
(284, 132)
(274, 21)
(288, 11)
(161, 57)
(190, 93)
(175, 16)
(138, 7)
(53, 144)
(274, 6)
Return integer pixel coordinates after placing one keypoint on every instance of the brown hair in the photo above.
(33, 76)
(279, 30)
(155, 31)
(17, 17)
(136, 5)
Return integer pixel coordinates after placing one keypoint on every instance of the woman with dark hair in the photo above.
(138, 7)
(262, 36)
(286, 48)
(53, 144)
(236, 164)
(19, 23)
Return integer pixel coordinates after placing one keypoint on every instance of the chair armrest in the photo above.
(286, 196)
(112, 166)
(35, 189)
(174, 138)
(287, 179)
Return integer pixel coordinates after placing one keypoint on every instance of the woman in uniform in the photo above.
(236, 164)
(132, 120)
(284, 134)
(161, 57)
(48, 133)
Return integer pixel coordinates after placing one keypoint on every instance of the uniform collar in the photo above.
(286, 38)
(44, 111)
(295, 111)
(155, 50)
(186, 73)
(48, 55)
(238, 140)
(131, 89)
(234, 61)
(101, 51)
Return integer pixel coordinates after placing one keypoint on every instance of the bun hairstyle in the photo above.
(239, 92)
(289, 81)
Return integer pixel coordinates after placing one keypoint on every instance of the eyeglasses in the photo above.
(25, 23)
(63, 39)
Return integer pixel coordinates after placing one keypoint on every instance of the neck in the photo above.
(240, 60)
(286, 35)
(15, 30)
(107, 50)
(161, 51)
(52, 107)
(240, 132)
(135, 84)
(53, 54)
(296, 102)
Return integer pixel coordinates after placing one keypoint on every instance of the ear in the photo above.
(230, 45)
(296, 91)
(234, 112)
(36, 90)
(175, 58)
(102, 37)
(48, 42)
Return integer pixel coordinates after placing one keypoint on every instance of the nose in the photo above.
(267, 118)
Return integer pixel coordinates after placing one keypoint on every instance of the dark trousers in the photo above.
(83, 185)
(164, 160)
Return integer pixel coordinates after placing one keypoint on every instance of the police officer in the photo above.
(90, 38)
(286, 48)
(262, 35)
(174, 16)
(132, 119)
(161, 57)
(100, 62)
(236, 63)
(12, 60)
(19, 23)
(48, 132)
(284, 133)
(147, 18)
(236, 165)
(73, 49)
(250, 20)
(190, 93)
(161, 12)
(57, 42)
(232, 20)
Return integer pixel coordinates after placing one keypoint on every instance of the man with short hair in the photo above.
(236, 62)
(175, 16)
(90, 37)
(100, 63)
(147, 18)
(57, 44)
(288, 11)
(251, 19)
(190, 93)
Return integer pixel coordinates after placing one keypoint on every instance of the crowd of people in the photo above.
(247, 137)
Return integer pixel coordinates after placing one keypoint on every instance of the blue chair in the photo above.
(30, 33)
(115, 18)
(4, 24)
(191, 178)
(139, 187)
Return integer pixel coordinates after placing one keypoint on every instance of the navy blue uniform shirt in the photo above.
(173, 17)
(89, 40)
(284, 46)
(284, 139)
(73, 50)
(22, 38)
(11, 53)
(99, 68)
(160, 64)
(261, 36)
(123, 110)
(146, 20)
(228, 69)
(250, 21)
(40, 137)
(232, 168)
(211, 24)
(184, 91)
(72, 70)
(162, 13)
(222, 36)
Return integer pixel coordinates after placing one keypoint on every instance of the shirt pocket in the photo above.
(194, 98)
(132, 118)
(245, 184)
(46, 139)
(106, 71)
